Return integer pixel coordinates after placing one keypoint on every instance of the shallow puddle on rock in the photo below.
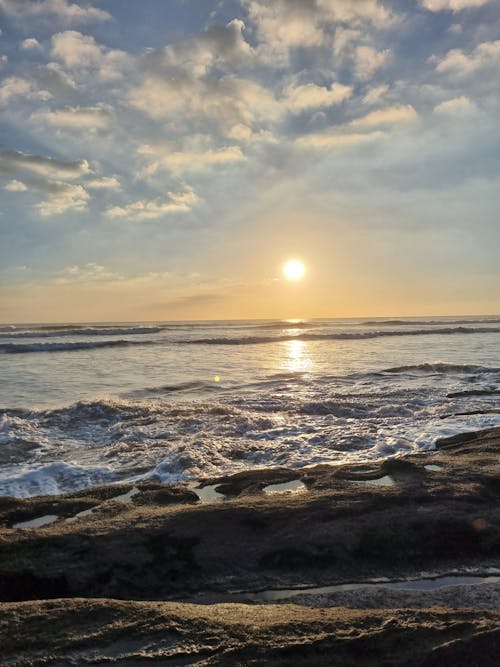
(285, 487)
(433, 466)
(386, 480)
(207, 494)
(38, 522)
(83, 513)
(126, 497)
(122, 498)
(413, 585)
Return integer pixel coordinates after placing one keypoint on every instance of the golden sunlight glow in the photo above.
(294, 269)
(297, 358)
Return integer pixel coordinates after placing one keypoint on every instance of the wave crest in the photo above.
(25, 348)
(441, 367)
(366, 335)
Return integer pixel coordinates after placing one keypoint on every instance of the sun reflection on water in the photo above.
(297, 359)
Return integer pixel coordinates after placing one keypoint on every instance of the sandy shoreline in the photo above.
(436, 513)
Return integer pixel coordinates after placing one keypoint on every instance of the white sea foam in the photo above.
(146, 407)
(52, 479)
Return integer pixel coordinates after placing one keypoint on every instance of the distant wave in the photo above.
(53, 331)
(440, 367)
(61, 346)
(301, 324)
(24, 348)
(440, 322)
(254, 340)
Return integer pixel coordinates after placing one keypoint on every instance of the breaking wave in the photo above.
(440, 367)
(413, 323)
(25, 348)
(254, 340)
(51, 332)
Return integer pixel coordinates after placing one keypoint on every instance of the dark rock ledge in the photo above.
(164, 545)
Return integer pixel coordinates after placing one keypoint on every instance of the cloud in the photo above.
(368, 61)
(336, 139)
(196, 299)
(12, 161)
(197, 79)
(15, 186)
(30, 44)
(87, 273)
(452, 5)
(226, 101)
(104, 183)
(244, 133)
(374, 95)
(221, 46)
(177, 202)
(179, 162)
(485, 55)
(401, 113)
(284, 25)
(310, 95)
(14, 87)
(63, 197)
(17, 87)
(60, 197)
(60, 11)
(458, 106)
(97, 117)
(82, 52)
(55, 79)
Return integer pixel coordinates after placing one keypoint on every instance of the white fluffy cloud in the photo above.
(460, 63)
(30, 44)
(458, 106)
(15, 186)
(176, 202)
(63, 197)
(401, 113)
(82, 52)
(310, 95)
(17, 87)
(179, 162)
(104, 183)
(226, 101)
(60, 11)
(283, 25)
(78, 118)
(368, 61)
(452, 5)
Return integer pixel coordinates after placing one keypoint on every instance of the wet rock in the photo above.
(66, 632)
(164, 544)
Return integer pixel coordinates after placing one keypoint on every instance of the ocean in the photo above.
(89, 404)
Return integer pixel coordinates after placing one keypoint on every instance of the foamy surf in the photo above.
(170, 402)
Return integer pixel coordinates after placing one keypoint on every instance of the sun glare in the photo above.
(294, 269)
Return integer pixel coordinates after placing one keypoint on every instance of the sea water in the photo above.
(89, 404)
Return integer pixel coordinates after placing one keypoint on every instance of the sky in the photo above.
(162, 160)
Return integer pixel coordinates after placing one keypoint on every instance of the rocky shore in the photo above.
(111, 573)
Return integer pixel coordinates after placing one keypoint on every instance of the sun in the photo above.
(294, 269)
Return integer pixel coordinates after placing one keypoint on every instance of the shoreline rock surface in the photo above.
(436, 512)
